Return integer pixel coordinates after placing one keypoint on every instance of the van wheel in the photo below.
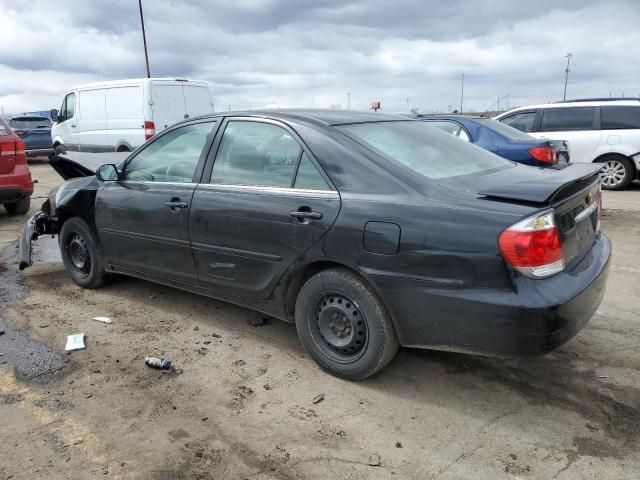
(123, 148)
(80, 254)
(616, 172)
(344, 326)
(18, 208)
(59, 149)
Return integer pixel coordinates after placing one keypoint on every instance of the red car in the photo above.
(16, 185)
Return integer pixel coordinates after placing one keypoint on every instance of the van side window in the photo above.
(523, 121)
(566, 119)
(69, 107)
(619, 117)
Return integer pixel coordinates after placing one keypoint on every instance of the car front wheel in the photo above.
(344, 326)
(616, 172)
(80, 254)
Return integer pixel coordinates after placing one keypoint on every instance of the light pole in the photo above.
(461, 92)
(348, 100)
(566, 75)
(144, 39)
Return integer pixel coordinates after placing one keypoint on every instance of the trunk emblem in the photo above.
(589, 197)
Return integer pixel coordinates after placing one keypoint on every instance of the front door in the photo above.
(143, 219)
(67, 127)
(265, 203)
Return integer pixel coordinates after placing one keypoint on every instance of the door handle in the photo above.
(73, 126)
(305, 213)
(175, 203)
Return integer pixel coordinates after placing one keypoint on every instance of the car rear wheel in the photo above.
(20, 207)
(616, 172)
(80, 254)
(344, 326)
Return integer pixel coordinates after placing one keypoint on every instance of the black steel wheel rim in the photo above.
(339, 328)
(78, 255)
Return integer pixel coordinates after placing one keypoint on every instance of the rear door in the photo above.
(263, 204)
(576, 125)
(143, 219)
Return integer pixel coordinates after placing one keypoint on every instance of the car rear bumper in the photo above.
(534, 318)
(39, 152)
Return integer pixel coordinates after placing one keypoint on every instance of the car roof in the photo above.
(316, 115)
(578, 103)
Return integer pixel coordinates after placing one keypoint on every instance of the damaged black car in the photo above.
(369, 231)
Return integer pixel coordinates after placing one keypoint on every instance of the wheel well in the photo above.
(602, 157)
(298, 278)
(123, 148)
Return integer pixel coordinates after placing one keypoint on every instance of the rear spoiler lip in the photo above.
(543, 192)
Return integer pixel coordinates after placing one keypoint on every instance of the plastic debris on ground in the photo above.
(103, 319)
(75, 342)
(159, 363)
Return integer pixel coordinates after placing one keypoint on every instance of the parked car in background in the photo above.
(120, 115)
(34, 130)
(501, 139)
(369, 231)
(605, 130)
(16, 185)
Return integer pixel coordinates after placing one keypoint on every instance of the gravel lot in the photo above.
(239, 402)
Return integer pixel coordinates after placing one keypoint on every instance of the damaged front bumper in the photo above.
(39, 224)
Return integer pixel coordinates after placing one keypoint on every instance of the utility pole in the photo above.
(566, 75)
(461, 92)
(348, 100)
(144, 39)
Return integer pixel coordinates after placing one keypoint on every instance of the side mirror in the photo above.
(108, 173)
(53, 113)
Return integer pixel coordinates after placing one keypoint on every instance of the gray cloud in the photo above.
(289, 53)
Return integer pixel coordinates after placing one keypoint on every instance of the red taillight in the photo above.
(533, 246)
(546, 155)
(14, 149)
(149, 129)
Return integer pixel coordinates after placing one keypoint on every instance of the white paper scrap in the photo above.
(103, 319)
(75, 342)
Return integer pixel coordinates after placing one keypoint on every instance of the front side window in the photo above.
(69, 109)
(567, 119)
(172, 157)
(257, 154)
(453, 128)
(620, 117)
(427, 151)
(522, 121)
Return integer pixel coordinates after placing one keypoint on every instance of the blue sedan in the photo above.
(502, 139)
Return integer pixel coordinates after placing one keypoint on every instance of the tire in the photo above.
(20, 207)
(59, 149)
(80, 254)
(344, 326)
(617, 172)
(123, 148)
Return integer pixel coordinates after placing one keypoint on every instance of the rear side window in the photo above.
(522, 121)
(30, 122)
(255, 153)
(425, 150)
(619, 117)
(3, 129)
(566, 119)
(308, 177)
(453, 128)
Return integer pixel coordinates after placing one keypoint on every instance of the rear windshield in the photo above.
(30, 122)
(504, 130)
(424, 149)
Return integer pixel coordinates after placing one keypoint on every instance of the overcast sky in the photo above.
(287, 53)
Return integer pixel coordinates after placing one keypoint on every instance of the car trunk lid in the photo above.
(573, 192)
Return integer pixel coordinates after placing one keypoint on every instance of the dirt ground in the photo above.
(239, 403)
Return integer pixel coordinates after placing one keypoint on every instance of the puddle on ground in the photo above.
(29, 358)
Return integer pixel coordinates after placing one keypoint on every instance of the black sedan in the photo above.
(369, 231)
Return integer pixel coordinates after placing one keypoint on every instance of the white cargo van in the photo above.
(120, 115)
